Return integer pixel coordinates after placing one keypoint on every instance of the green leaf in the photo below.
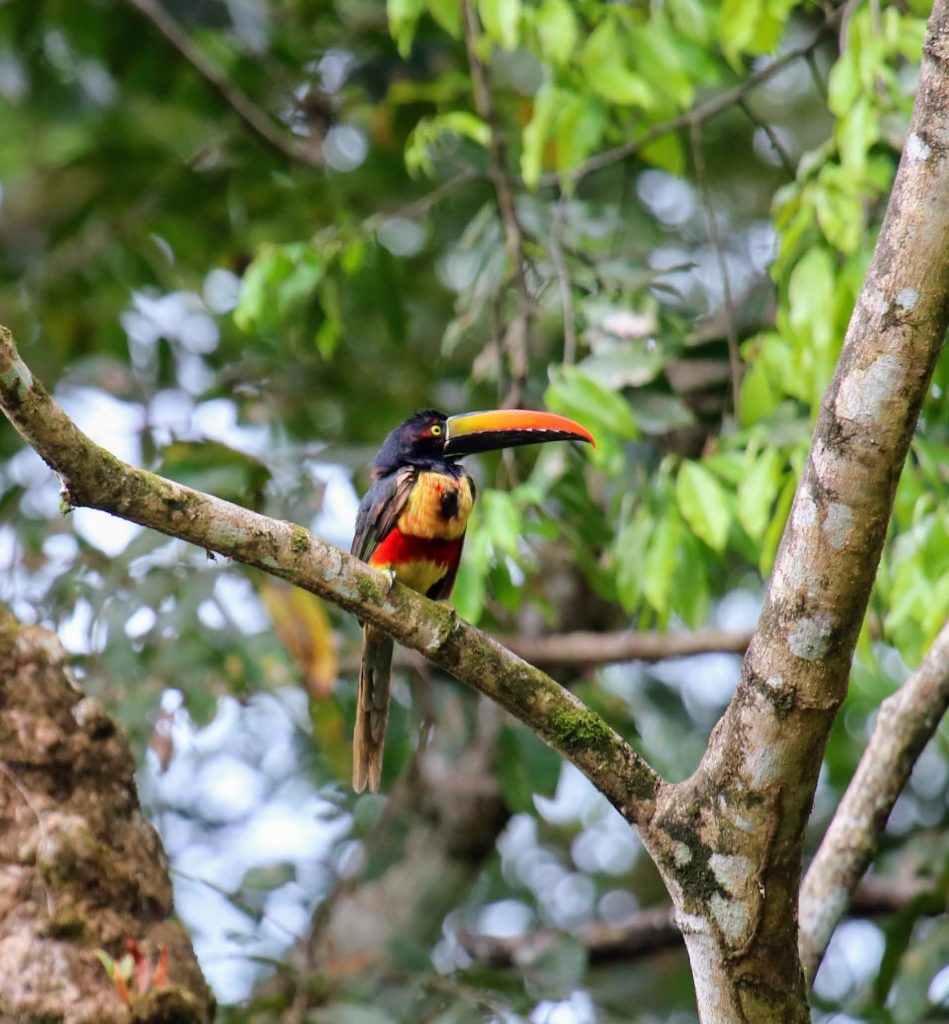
(660, 561)
(573, 392)
(581, 122)
(526, 765)
(428, 130)
(278, 281)
(666, 153)
(843, 85)
(703, 504)
(737, 22)
(556, 30)
(630, 549)
(501, 521)
(448, 14)
(604, 61)
(660, 60)
(403, 17)
(857, 131)
(465, 124)
(689, 595)
(759, 397)
(537, 131)
(775, 529)
(469, 591)
(501, 20)
(758, 489)
(693, 19)
(107, 962)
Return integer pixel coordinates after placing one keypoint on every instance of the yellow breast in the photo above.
(431, 511)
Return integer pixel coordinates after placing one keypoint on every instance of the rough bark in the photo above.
(81, 869)
(904, 726)
(94, 478)
(728, 840)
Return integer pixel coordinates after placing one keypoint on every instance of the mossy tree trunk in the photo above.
(81, 870)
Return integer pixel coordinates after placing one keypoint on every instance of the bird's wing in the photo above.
(380, 509)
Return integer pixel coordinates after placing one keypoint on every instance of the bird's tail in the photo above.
(372, 709)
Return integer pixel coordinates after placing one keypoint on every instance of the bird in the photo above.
(411, 523)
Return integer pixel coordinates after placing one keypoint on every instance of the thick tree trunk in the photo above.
(728, 841)
(81, 870)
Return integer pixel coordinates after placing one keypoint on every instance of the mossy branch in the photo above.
(94, 478)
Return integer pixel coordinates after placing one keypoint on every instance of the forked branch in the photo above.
(94, 478)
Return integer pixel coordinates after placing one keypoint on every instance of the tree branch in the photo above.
(728, 841)
(905, 724)
(703, 112)
(94, 478)
(654, 929)
(587, 649)
(257, 120)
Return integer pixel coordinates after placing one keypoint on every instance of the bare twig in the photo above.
(563, 282)
(731, 326)
(905, 724)
(776, 144)
(94, 478)
(517, 336)
(653, 930)
(256, 119)
(582, 649)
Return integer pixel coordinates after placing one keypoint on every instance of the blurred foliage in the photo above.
(214, 309)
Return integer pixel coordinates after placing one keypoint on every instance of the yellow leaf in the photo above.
(300, 621)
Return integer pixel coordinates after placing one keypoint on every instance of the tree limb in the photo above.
(905, 724)
(94, 478)
(703, 112)
(589, 649)
(256, 119)
(653, 930)
(728, 841)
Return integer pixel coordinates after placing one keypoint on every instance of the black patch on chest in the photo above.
(449, 504)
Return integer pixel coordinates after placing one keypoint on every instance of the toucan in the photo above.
(412, 523)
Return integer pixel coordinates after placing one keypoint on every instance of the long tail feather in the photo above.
(372, 709)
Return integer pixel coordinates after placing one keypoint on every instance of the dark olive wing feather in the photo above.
(380, 509)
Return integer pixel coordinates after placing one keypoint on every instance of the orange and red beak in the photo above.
(472, 432)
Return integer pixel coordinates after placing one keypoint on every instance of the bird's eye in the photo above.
(436, 431)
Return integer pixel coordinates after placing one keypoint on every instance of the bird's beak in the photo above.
(472, 432)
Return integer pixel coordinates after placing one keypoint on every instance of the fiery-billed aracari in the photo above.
(412, 522)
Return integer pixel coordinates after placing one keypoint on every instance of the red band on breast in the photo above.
(399, 548)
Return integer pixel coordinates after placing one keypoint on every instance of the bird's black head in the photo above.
(431, 440)
(420, 440)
